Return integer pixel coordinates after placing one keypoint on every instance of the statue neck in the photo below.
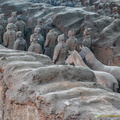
(79, 62)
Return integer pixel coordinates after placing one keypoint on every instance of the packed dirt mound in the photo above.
(31, 88)
(62, 19)
(109, 43)
(71, 18)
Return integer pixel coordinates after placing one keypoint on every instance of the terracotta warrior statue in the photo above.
(92, 8)
(3, 22)
(35, 46)
(21, 25)
(107, 9)
(42, 26)
(14, 26)
(61, 51)
(13, 17)
(40, 38)
(72, 42)
(87, 38)
(115, 13)
(100, 10)
(9, 36)
(20, 43)
(50, 43)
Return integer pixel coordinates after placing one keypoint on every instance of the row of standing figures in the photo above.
(57, 47)
(49, 43)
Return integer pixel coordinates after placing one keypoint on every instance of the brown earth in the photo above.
(31, 88)
(65, 18)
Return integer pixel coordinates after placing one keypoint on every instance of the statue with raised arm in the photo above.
(60, 51)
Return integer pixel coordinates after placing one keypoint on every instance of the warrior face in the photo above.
(10, 26)
(71, 33)
(19, 34)
(37, 30)
(61, 38)
(14, 14)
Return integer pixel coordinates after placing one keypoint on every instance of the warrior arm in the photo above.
(5, 40)
(15, 45)
(47, 41)
(56, 53)
(68, 44)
